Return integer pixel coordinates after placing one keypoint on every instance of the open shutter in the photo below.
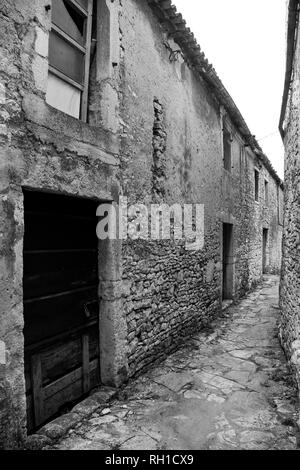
(69, 52)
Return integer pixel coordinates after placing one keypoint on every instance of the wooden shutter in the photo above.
(70, 45)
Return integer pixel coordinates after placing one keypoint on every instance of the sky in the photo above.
(245, 42)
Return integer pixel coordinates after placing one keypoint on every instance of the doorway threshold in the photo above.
(98, 401)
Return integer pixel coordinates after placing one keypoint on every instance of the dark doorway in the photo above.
(228, 262)
(60, 288)
(265, 249)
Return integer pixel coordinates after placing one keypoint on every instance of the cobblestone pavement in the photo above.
(226, 389)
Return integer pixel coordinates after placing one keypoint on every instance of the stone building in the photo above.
(290, 131)
(101, 100)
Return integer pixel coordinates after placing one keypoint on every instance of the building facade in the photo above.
(102, 100)
(290, 130)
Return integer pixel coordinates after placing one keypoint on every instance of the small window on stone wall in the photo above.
(227, 149)
(69, 56)
(256, 182)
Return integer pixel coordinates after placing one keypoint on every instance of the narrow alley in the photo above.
(230, 389)
(134, 200)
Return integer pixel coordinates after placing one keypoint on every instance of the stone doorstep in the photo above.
(60, 426)
(226, 304)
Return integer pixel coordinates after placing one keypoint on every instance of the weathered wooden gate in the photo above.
(60, 303)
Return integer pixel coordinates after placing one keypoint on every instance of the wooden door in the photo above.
(61, 305)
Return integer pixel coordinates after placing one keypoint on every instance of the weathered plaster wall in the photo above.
(290, 281)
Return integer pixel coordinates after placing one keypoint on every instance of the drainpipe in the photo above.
(293, 19)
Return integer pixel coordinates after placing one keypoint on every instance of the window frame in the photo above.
(256, 185)
(85, 50)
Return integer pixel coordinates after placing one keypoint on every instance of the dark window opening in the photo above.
(266, 192)
(61, 307)
(227, 149)
(256, 180)
(94, 21)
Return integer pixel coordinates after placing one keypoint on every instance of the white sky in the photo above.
(245, 42)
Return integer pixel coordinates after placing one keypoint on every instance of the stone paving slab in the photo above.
(227, 389)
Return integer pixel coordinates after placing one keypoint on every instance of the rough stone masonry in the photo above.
(157, 118)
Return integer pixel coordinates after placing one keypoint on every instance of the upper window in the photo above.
(256, 179)
(227, 149)
(69, 56)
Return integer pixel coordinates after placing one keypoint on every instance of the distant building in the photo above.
(100, 100)
(290, 131)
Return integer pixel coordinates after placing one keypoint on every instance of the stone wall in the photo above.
(174, 154)
(290, 281)
(154, 135)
